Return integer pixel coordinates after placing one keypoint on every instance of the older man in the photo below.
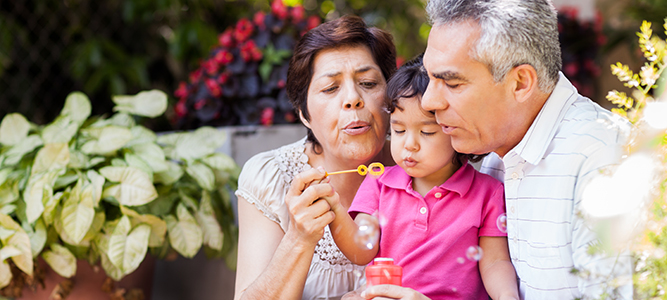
(496, 87)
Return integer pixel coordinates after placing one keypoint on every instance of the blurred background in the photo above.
(49, 48)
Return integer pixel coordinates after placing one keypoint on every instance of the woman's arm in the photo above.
(496, 268)
(273, 264)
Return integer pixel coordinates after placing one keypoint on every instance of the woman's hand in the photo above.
(308, 204)
(389, 291)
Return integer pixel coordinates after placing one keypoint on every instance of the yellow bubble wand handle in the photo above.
(375, 169)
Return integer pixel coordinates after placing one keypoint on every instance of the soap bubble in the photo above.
(454, 290)
(474, 253)
(460, 260)
(501, 222)
(382, 220)
(368, 234)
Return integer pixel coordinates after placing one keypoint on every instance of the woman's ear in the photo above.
(525, 78)
(303, 120)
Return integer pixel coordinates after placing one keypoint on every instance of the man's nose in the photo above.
(432, 100)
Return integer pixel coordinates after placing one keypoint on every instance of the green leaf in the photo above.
(37, 236)
(117, 241)
(60, 131)
(213, 236)
(77, 106)
(152, 154)
(136, 162)
(141, 135)
(122, 120)
(171, 175)
(202, 174)
(51, 157)
(151, 103)
(111, 138)
(110, 269)
(220, 161)
(78, 213)
(4, 174)
(5, 274)
(207, 139)
(97, 181)
(9, 251)
(158, 226)
(185, 235)
(19, 240)
(27, 145)
(39, 186)
(13, 129)
(134, 188)
(50, 207)
(127, 249)
(61, 260)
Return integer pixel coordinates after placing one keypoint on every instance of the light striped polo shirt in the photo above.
(569, 142)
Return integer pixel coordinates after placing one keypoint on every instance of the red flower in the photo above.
(182, 90)
(312, 22)
(199, 104)
(571, 69)
(259, 19)
(222, 79)
(211, 67)
(226, 39)
(180, 108)
(266, 118)
(281, 83)
(195, 75)
(279, 9)
(223, 57)
(289, 117)
(298, 13)
(213, 87)
(399, 61)
(243, 30)
(249, 51)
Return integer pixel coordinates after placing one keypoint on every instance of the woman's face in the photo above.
(345, 103)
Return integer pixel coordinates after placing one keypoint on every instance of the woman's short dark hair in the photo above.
(342, 32)
(412, 80)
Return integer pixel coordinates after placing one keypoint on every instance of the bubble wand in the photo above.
(375, 169)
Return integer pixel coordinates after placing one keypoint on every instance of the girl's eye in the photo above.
(399, 131)
(428, 133)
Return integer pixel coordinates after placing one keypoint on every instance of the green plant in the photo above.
(107, 190)
(640, 181)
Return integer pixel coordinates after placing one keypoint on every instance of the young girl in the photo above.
(435, 210)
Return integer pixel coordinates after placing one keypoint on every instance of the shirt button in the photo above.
(422, 210)
(512, 209)
(515, 239)
(515, 176)
(438, 195)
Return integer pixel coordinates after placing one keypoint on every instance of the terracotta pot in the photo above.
(88, 281)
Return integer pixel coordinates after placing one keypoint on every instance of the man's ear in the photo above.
(303, 120)
(525, 79)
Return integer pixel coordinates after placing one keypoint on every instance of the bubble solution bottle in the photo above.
(383, 271)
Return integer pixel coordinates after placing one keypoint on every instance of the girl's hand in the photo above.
(309, 211)
(389, 291)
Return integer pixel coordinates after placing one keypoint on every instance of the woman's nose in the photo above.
(353, 98)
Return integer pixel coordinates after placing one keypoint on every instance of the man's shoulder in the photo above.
(586, 124)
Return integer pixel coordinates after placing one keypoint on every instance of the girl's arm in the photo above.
(273, 264)
(496, 268)
(344, 229)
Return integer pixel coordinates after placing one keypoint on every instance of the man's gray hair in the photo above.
(512, 33)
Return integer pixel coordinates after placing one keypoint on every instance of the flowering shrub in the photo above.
(242, 81)
(580, 44)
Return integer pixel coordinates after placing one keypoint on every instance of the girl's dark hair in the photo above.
(342, 32)
(412, 80)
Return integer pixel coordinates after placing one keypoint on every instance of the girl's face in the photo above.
(345, 102)
(418, 144)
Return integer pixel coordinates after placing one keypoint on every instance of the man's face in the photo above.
(470, 107)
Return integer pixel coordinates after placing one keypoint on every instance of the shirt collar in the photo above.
(459, 182)
(538, 137)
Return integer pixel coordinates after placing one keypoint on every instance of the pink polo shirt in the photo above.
(429, 236)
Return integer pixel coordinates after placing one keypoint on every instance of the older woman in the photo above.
(336, 82)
